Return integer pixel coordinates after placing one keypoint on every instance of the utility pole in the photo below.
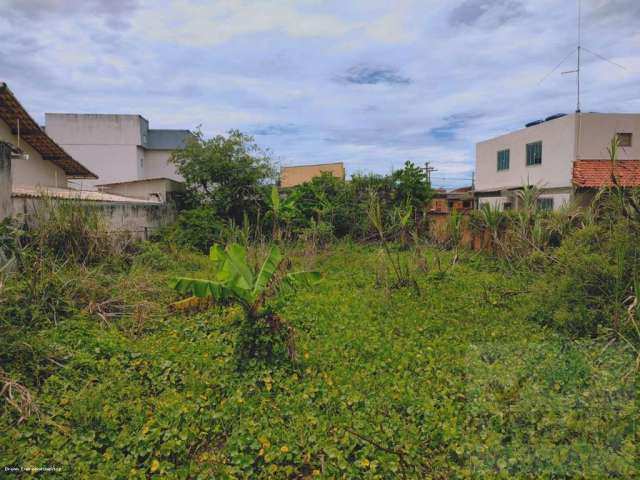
(427, 170)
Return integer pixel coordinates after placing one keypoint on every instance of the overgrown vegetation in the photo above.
(519, 360)
(235, 280)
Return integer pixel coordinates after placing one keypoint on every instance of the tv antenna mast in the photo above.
(580, 49)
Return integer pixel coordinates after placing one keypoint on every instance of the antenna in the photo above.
(578, 68)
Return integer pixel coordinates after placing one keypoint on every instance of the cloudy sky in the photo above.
(371, 83)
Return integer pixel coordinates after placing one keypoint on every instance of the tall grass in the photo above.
(72, 230)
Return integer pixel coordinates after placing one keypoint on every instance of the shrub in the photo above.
(72, 229)
(197, 228)
(591, 276)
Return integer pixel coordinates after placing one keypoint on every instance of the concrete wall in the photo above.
(5, 181)
(35, 170)
(558, 140)
(597, 129)
(137, 220)
(156, 165)
(108, 145)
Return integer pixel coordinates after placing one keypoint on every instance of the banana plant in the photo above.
(281, 211)
(235, 280)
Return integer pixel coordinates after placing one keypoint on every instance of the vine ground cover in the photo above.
(452, 382)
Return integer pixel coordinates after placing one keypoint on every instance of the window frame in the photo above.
(501, 164)
(548, 203)
(628, 135)
(527, 148)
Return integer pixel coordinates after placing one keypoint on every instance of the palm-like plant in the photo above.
(280, 210)
(403, 217)
(493, 219)
(234, 280)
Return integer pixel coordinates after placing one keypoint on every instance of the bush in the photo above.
(591, 276)
(198, 228)
(72, 229)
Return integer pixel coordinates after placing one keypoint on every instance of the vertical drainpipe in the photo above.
(6, 206)
(576, 148)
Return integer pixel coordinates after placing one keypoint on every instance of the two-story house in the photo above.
(121, 149)
(552, 154)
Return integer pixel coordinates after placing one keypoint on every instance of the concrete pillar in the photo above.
(6, 207)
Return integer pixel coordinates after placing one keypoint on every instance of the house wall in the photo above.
(597, 130)
(292, 176)
(156, 165)
(558, 140)
(559, 199)
(34, 171)
(108, 145)
(5, 181)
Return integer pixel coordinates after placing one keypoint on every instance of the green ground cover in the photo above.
(450, 382)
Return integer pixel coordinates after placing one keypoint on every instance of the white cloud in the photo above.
(209, 24)
(372, 83)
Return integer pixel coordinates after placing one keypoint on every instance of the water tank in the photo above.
(553, 117)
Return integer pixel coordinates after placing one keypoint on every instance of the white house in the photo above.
(119, 148)
(549, 153)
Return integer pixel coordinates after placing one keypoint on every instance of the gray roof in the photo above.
(167, 139)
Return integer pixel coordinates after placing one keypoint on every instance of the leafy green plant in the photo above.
(280, 211)
(403, 277)
(403, 219)
(492, 219)
(234, 280)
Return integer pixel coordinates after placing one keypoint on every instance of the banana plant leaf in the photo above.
(269, 267)
(236, 268)
(275, 199)
(302, 279)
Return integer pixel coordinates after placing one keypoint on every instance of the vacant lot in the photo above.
(452, 381)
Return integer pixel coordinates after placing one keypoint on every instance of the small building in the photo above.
(459, 199)
(544, 153)
(299, 174)
(119, 148)
(158, 189)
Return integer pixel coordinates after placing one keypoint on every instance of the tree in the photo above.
(411, 186)
(226, 173)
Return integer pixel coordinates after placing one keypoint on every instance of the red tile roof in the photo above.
(598, 173)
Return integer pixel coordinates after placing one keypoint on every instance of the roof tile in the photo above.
(598, 173)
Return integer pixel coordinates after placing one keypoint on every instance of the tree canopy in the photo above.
(225, 173)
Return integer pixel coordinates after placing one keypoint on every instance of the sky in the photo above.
(369, 83)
